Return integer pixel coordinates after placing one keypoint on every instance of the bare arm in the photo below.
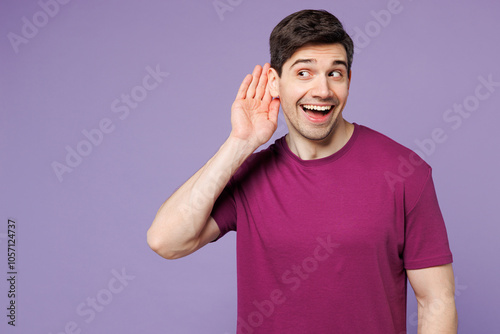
(183, 223)
(435, 292)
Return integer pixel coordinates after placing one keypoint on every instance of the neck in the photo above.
(307, 149)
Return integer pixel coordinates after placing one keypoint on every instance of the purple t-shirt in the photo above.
(322, 245)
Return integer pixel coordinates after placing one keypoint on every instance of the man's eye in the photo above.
(336, 74)
(304, 74)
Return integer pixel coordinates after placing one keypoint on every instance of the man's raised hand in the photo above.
(254, 114)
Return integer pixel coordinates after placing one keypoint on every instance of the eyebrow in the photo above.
(311, 60)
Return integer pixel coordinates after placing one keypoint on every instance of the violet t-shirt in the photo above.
(322, 245)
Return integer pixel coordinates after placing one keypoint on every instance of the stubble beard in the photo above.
(317, 133)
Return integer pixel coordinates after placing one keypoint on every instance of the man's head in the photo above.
(307, 27)
(311, 58)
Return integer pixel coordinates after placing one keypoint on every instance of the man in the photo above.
(328, 226)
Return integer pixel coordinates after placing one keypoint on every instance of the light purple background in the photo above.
(73, 234)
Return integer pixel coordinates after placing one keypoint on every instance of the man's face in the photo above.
(313, 90)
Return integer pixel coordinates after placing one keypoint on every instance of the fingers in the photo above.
(255, 80)
(274, 109)
(255, 85)
(267, 98)
(262, 85)
(242, 91)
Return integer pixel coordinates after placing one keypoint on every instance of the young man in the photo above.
(329, 223)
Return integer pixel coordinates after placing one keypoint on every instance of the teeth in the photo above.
(319, 108)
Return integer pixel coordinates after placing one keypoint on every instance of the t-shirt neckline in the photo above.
(321, 161)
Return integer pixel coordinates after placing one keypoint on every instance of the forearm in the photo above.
(437, 315)
(182, 217)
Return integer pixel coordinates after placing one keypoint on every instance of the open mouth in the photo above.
(317, 113)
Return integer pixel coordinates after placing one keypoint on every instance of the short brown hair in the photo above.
(307, 27)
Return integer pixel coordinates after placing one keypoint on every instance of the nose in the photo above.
(322, 88)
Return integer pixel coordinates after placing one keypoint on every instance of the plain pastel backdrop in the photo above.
(67, 67)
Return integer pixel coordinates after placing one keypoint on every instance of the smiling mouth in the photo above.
(316, 111)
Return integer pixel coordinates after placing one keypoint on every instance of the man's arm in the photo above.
(183, 223)
(435, 292)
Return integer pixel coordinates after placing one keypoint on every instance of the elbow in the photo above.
(163, 247)
(160, 246)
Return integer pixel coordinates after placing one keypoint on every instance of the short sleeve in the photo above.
(426, 239)
(224, 210)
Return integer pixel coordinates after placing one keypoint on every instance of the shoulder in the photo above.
(400, 166)
(382, 143)
(385, 150)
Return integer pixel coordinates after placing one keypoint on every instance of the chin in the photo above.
(317, 135)
(321, 134)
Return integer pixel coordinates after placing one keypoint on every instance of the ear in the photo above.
(349, 84)
(273, 82)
